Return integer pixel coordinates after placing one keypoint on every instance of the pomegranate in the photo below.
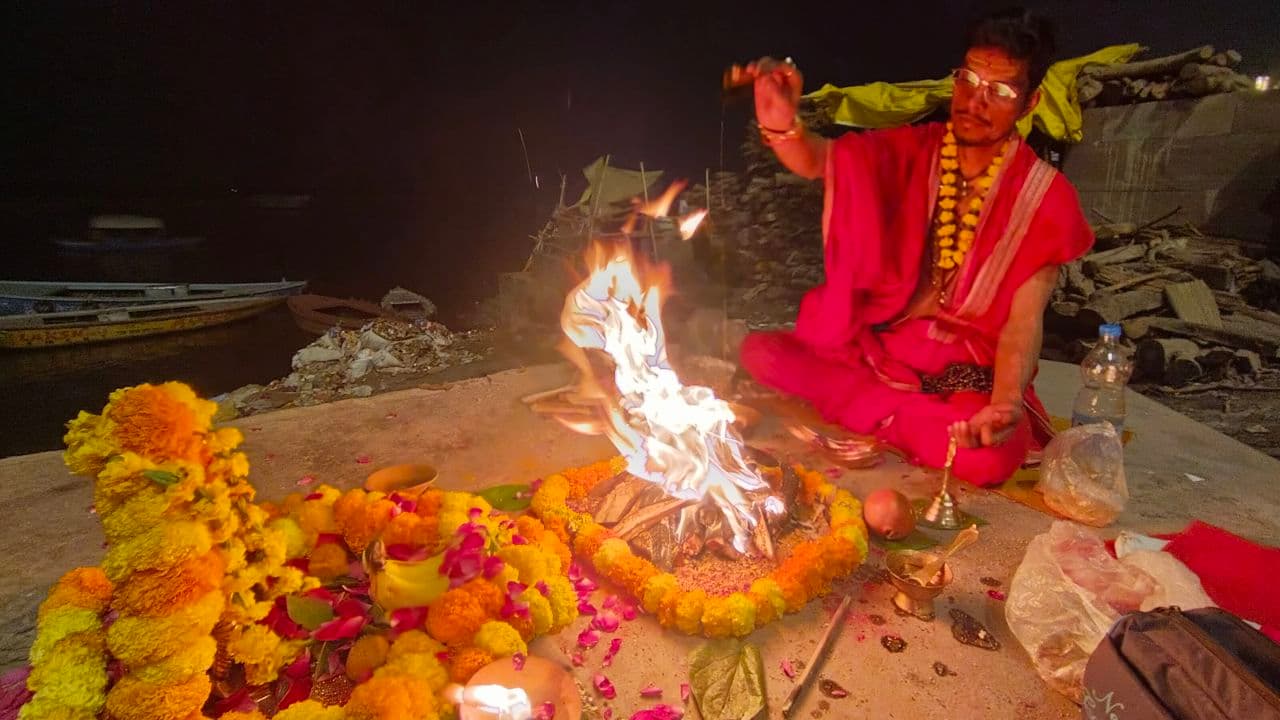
(888, 514)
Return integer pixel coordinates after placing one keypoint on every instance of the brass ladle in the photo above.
(963, 539)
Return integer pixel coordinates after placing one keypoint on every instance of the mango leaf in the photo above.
(310, 613)
(162, 477)
(727, 677)
(508, 498)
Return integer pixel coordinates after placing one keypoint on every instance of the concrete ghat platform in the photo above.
(479, 434)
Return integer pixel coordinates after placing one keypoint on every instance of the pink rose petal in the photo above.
(305, 480)
(517, 661)
(614, 646)
(605, 621)
(408, 618)
(651, 691)
(833, 472)
(577, 659)
(340, 628)
(659, 712)
(363, 459)
(607, 713)
(604, 686)
(588, 639)
(788, 669)
(545, 711)
(685, 692)
(997, 595)
(586, 608)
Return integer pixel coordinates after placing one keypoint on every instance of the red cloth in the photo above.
(880, 187)
(1236, 573)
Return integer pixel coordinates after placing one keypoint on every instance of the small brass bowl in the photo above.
(409, 479)
(914, 598)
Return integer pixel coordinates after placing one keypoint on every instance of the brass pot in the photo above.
(914, 598)
(410, 479)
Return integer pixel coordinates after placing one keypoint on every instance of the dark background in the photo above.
(401, 121)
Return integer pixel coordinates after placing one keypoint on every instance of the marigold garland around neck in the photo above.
(803, 575)
(953, 239)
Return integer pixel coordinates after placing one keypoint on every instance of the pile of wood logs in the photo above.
(1178, 296)
(1195, 73)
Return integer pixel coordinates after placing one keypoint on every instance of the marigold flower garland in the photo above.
(806, 573)
(68, 657)
(954, 240)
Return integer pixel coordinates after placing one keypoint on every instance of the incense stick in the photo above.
(811, 669)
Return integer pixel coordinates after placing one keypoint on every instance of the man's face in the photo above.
(981, 116)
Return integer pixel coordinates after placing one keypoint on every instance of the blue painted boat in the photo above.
(23, 297)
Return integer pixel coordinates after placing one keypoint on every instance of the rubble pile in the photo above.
(1194, 73)
(1199, 309)
(355, 363)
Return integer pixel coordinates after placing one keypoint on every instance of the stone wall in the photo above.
(1217, 157)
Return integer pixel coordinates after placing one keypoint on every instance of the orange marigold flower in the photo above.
(523, 625)
(589, 540)
(414, 642)
(134, 699)
(556, 526)
(366, 655)
(428, 503)
(412, 529)
(392, 697)
(489, 596)
(154, 593)
(161, 422)
(631, 573)
(465, 662)
(250, 715)
(86, 587)
(361, 517)
(329, 561)
(455, 617)
(582, 479)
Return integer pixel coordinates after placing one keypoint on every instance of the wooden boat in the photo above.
(41, 330)
(125, 233)
(48, 297)
(317, 313)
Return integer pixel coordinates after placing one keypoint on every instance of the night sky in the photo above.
(423, 100)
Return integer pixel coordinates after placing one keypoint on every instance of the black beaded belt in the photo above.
(959, 377)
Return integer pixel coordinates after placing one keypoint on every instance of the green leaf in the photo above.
(310, 613)
(915, 541)
(727, 679)
(508, 498)
(162, 477)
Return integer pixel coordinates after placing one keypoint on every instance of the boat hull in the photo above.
(317, 314)
(62, 335)
(18, 297)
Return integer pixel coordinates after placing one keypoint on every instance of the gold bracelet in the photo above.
(773, 137)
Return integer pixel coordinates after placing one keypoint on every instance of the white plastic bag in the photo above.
(1082, 474)
(1069, 591)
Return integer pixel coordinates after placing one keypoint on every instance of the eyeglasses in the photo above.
(997, 89)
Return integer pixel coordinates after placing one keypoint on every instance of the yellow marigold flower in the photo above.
(367, 654)
(656, 588)
(845, 509)
(466, 662)
(224, 439)
(316, 517)
(946, 217)
(958, 258)
(857, 536)
(969, 220)
(540, 611)
(688, 611)
(725, 616)
(422, 666)
(329, 561)
(947, 191)
(947, 204)
(71, 675)
(415, 642)
(767, 596)
(966, 236)
(589, 539)
(948, 138)
(164, 422)
(163, 546)
(530, 561)
(295, 540)
(38, 708)
(985, 182)
(946, 242)
(392, 697)
(946, 263)
(948, 151)
(58, 623)
(262, 652)
(945, 230)
(87, 445)
(948, 178)
(564, 601)
(121, 478)
(145, 510)
(610, 553)
(193, 659)
(85, 587)
(309, 710)
(138, 640)
(949, 164)
(499, 639)
(133, 699)
(254, 714)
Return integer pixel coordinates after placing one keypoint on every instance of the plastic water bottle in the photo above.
(1105, 371)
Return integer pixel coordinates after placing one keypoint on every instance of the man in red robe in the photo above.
(943, 243)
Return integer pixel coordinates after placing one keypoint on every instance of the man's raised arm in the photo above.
(777, 91)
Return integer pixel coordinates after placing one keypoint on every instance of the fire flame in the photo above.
(676, 436)
(661, 207)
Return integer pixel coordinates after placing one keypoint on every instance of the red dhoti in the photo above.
(856, 355)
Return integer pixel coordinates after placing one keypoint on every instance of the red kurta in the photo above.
(856, 356)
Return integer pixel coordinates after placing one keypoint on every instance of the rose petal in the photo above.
(517, 661)
(997, 595)
(788, 669)
(614, 646)
(586, 608)
(605, 621)
(685, 692)
(588, 639)
(407, 553)
(340, 628)
(606, 714)
(305, 480)
(651, 691)
(492, 566)
(408, 618)
(363, 459)
(543, 587)
(577, 659)
(659, 712)
(604, 686)
(545, 711)
(833, 472)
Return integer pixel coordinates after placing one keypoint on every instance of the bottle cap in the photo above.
(1109, 331)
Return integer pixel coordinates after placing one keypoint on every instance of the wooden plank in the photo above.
(1127, 253)
(1194, 302)
(1236, 332)
(1112, 308)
